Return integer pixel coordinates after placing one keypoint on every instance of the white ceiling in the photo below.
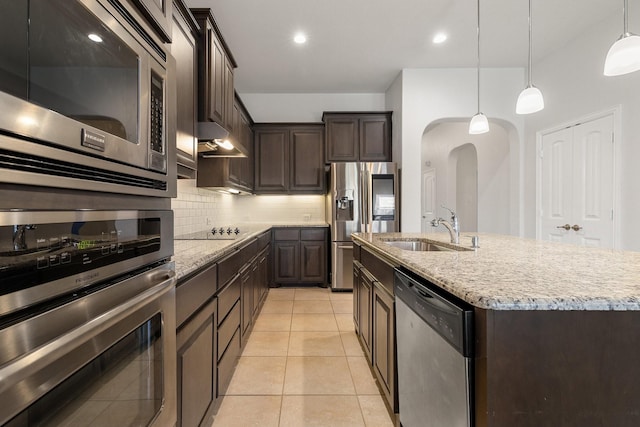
(360, 46)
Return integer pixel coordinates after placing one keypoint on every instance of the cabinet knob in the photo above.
(576, 227)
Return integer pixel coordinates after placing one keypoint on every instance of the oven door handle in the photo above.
(29, 364)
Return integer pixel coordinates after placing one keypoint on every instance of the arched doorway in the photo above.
(471, 174)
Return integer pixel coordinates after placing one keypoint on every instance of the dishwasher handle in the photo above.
(450, 318)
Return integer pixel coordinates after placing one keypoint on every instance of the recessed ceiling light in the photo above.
(96, 38)
(439, 38)
(300, 38)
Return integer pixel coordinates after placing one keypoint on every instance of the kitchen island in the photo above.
(557, 327)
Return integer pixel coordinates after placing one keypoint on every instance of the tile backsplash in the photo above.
(197, 209)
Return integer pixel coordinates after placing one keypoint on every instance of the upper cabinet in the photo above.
(289, 159)
(184, 49)
(352, 137)
(158, 13)
(215, 73)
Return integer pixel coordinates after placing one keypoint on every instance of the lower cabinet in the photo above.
(384, 339)
(215, 312)
(365, 295)
(197, 320)
(374, 320)
(300, 255)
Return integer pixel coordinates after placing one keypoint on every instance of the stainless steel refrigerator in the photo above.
(362, 197)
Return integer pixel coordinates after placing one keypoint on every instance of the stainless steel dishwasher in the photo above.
(435, 355)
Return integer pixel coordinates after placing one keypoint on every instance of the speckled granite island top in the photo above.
(512, 273)
(192, 255)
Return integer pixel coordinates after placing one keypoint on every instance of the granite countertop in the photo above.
(192, 255)
(512, 273)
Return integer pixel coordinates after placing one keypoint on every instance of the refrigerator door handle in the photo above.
(363, 199)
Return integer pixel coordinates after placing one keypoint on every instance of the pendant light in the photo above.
(530, 99)
(624, 55)
(479, 123)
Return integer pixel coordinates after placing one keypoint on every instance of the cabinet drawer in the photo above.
(228, 297)
(263, 240)
(194, 293)
(286, 234)
(227, 363)
(312, 234)
(228, 327)
(228, 267)
(248, 251)
(380, 269)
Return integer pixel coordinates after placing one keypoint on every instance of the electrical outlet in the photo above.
(306, 217)
(208, 221)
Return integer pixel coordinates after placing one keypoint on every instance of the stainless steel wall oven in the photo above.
(87, 318)
(85, 97)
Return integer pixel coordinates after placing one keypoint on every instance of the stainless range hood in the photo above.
(214, 141)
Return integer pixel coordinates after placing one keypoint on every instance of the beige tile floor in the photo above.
(303, 366)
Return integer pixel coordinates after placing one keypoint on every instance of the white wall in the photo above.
(573, 85)
(393, 98)
(307, 107)
(430, 95)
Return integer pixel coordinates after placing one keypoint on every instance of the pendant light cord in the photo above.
(626, 17)
(529, 69)
(478, 57)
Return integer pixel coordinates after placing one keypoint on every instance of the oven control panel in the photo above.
(33, 254)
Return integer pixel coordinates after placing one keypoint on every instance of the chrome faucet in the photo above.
(452, 226)
(19, 242)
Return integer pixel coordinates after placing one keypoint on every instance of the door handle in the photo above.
(576, 227)
(566, 227)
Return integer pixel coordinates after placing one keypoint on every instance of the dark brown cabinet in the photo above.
(352, 137)
(300, 255)
(383, 341)
(289, 159)
(374, 318)
(184, 49)
(196, 317)
(365, 294)
(215, 72)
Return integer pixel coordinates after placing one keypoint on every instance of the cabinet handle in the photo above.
(566, 227)
(576, 227)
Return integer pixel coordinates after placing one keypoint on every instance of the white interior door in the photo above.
(429, 201)
(577, 185)
(593, 178)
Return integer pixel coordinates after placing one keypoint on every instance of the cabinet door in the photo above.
(356, 296)
(365, 296)
(185, 50)
(287, 262)
(256, 285)
(247, 302)
(375, 138)
(216, 78)
(263, 273)
(196, 367)
(307, 160)
(314, 263)
(272, 160)
(227, 90)
(341, 139)
(384, 342)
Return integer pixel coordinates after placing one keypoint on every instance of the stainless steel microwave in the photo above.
(85, 98)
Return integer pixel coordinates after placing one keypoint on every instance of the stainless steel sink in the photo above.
(416, 245)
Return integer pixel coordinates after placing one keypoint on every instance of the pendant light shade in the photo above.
(624, 56)
(530, 99)
(479, 123)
